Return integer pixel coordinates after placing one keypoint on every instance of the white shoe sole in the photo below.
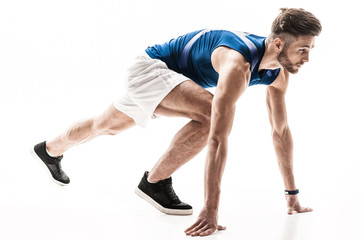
(141, 194)
(35, 156)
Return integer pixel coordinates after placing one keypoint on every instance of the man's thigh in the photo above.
(189, 100)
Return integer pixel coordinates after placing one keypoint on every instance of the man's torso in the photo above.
(191, 53)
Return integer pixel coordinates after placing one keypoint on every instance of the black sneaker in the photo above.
(162, 196)
(52, 163)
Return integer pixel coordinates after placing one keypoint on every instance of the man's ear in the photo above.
(278, 45)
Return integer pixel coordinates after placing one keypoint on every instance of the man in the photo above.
(169, 80)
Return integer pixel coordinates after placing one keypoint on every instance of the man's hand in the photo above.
(205, 225)
(294, 205)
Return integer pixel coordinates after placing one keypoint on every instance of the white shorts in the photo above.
(148, 82)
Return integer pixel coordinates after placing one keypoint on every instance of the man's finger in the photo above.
(304, 209)
(208, 232)
(290, 211)
(220, 228)
(203, 229)
(197, 228)
(193, 226)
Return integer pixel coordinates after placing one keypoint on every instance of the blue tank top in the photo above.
(190, 55)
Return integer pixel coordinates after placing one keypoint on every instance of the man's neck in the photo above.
(269, 60)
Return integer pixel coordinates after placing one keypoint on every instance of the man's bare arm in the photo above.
(233, 80)
(282, 138)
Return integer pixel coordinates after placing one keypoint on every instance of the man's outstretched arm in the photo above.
(282, 138)
(233, 80)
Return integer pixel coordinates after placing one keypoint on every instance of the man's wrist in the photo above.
(292, 192)
(211, 205)
(210, 210)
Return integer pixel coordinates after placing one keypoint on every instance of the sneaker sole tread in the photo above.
(168, 211)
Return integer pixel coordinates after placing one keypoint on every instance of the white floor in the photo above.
(100, 202)
(83, 212)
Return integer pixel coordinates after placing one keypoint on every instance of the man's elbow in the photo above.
(281, 131)
(216, 140)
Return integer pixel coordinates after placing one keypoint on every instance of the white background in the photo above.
(62, 61)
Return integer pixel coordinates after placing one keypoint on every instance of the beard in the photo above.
(285, 62)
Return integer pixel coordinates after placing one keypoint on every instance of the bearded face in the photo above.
(286, 63)
(296, 53)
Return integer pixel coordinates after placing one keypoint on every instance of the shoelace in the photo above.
(60, 168)
(170, 192)
(56, 167)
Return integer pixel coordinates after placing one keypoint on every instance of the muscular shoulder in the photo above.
(281, 81)
(224, 57)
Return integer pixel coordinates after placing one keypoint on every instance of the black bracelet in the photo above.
(292, 192)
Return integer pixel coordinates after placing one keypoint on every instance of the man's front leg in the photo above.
(156, 187)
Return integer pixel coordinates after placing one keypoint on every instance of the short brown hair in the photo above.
(293, 22)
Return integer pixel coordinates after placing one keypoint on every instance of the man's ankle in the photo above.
(50, 152)
(152, 178)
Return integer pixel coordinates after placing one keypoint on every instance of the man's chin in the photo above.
(292, 70)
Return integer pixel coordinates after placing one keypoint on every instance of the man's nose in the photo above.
(305, 58)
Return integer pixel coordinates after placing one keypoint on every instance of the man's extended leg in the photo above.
(186, 100)
(111, 122)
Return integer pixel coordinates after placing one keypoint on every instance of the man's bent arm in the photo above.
(233, 80)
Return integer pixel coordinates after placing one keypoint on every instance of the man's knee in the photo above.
(205, 119)
(205, 112)
(207, 109)
(112, 122)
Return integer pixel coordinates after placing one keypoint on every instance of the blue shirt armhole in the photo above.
(270, 76)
